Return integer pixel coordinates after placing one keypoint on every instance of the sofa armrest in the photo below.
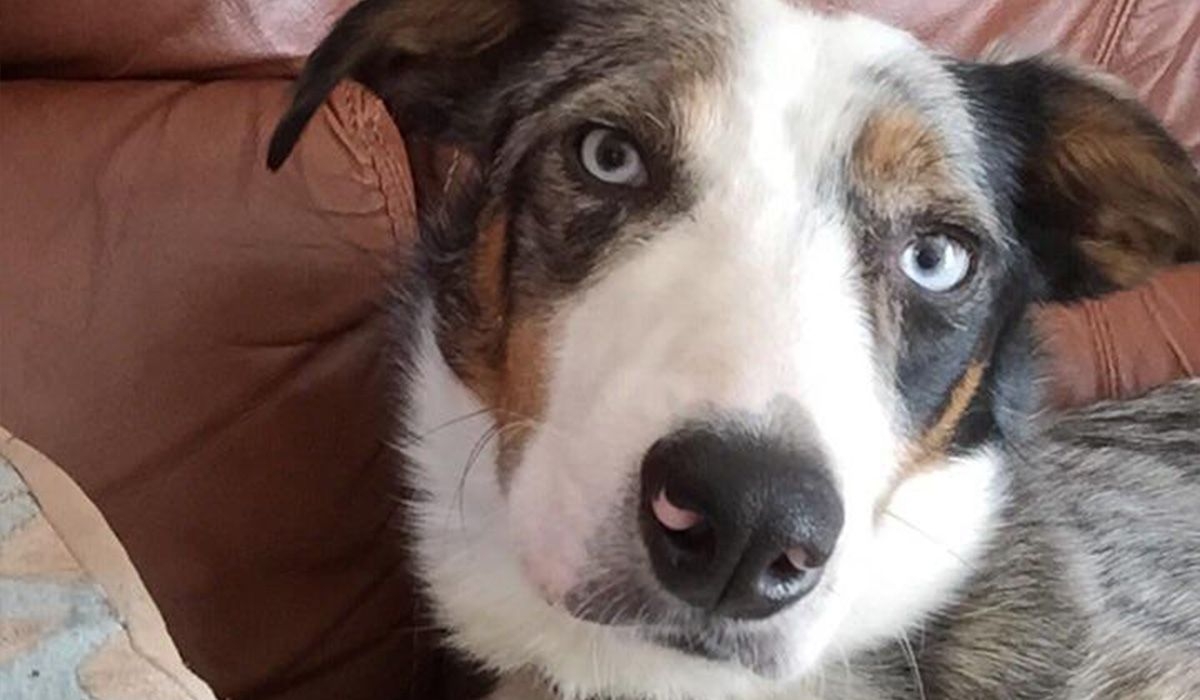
(1124, 344)
(200, 344)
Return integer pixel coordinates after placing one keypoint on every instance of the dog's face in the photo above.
(723, 328)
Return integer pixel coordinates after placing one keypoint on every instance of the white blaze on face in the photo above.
(752, 296)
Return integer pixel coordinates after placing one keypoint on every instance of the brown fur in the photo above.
(500, 354)
(933, 443)
(898, 147)
(521, 400)
(900, 163)
(930, 449)
(1136, 195)
(451, 29)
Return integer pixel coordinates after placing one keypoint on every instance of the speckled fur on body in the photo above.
(751, 277)
(1090, 585)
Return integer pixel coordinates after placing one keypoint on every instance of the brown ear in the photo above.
(376, 32)
(1103, 195)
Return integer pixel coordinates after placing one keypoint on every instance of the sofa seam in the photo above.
(1118, 25)
(1147, 297)
(385, 161)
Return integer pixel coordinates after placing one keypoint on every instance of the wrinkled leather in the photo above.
(161, 38)
(1153, 44)
(1120, 345)
(199, 343)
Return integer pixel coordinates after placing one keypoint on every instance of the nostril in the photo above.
(794, 562)
(672, 516)
(799, 558)
(694, 547)
(688, 534)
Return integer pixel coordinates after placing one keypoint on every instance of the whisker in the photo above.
(494, 431)
(453, 421)
(476, 452)
(941, 545)
(911, 658)
(516, 417)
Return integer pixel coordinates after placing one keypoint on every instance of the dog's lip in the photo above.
(689, 641)
(719, 641)
(702, 644)
(585, 606)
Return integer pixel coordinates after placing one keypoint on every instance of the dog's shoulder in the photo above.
(1163, 426)
(1091, 585)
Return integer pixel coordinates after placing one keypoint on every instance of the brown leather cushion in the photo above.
(199, 344)
(1124, 344)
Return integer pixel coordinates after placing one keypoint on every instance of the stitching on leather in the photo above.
(1118, 23)
(1113, 365)
(387, 162)
(1110, 25)
(1106, 371)
(1095, 346)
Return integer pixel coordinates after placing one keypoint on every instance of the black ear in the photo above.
(379, 35)
(1100, 194)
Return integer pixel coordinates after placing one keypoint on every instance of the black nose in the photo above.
(737, 524)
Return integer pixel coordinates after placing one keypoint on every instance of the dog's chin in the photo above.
(759, 652)
(637, 613)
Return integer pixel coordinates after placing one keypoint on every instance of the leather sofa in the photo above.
(199, 343)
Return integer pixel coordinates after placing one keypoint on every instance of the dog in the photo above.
(714, 370)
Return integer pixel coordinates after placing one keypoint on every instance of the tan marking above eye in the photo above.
(899, 147)
(900, 167)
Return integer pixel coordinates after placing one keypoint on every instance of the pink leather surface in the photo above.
(161, 38)
(1154, 44)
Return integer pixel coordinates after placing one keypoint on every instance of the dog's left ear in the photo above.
(1098, 191)
(421, 56)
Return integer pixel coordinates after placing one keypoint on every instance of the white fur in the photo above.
(923, 547)
(751, 298)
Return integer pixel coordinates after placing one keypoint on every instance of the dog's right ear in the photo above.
(1101, 195)
(378, 36)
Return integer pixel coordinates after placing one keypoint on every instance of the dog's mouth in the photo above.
(619, 591)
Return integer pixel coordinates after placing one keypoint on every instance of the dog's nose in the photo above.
(735, 523)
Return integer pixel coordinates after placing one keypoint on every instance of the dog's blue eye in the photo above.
(611, 157)
(937, 263)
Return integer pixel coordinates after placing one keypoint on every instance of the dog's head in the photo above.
(724, 315)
